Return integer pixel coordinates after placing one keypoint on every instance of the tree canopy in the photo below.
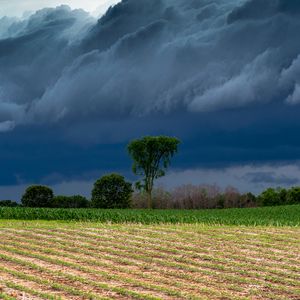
(37, 196)
(151, 157)
(111, 191)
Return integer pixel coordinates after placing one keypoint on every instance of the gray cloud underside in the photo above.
(254, 178)
(148, 57)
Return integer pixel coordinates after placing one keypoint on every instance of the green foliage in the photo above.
(270, 197)
(111, 191)
(8, 203)
(37, 196)
(76, 201)
(279, 196)
(270, 216)
(293, 195)
(151, 157)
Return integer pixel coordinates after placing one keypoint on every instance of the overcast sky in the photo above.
(18, 7)
(221, 75)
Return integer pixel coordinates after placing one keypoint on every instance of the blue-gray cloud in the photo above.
(222, 75)
(144, 57)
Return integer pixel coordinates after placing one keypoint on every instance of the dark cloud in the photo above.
(257, 9)
(221, 75)
(271, 178)
(144, 57)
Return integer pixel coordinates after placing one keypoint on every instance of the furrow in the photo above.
(201, 244)
(233, 266)
(77, 265)
(192, 252)
(234, 278)
(18, 272)
(141, 272)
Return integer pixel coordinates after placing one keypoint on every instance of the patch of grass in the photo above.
(4, 296)
(262, 216)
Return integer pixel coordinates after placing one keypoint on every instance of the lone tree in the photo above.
(111, 191)
(151, 157)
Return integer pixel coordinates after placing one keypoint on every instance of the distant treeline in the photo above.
(211, 196)
(112, 191)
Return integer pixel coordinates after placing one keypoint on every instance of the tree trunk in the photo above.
(149, 199)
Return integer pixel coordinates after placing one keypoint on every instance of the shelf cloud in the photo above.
(225, 73)
(146, 57)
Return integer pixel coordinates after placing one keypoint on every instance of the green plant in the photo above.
(37, 196)
(151, 157)
(273, 197)
(112, 191)
(293, 195)
(287, 215)
(8, 203)
(269, 197)
(76, 201)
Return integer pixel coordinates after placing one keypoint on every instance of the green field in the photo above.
(150, 254)
(75, 260)
(270, 216)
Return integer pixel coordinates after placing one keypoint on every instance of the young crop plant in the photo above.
(156, 261)
(259, 216)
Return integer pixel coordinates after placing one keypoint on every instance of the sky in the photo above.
(76, 85)
(17, 8)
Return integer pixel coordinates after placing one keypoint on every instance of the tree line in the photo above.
(151, 157)
(118, 193)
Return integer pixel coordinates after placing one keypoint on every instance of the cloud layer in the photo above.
(224, 76)
(254, 178)
(147, 57)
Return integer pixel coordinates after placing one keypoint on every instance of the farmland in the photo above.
(270, 216)
(77, 260)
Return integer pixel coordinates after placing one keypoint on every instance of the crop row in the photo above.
(270, 216)
(148, 262)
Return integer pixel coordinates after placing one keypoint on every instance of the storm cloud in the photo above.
(146, 57)
(222, 75)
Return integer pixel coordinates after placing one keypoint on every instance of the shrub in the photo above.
(273, 197)
(248, 200)
(112, 191)
(76, 201)
(37, 196)
(293, 195)
(269, 197)
(8, 203)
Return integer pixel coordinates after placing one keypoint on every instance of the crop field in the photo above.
(271, 216)
(75, 260)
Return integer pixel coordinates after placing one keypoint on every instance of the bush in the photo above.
(112, 191)
(8, 203)
(269, 197)
(76, 201)
(248, 200)
(293, 195)
(273, 197)
(37, 196)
